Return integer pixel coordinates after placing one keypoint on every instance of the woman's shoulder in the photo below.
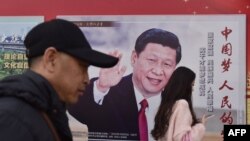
(181, 104)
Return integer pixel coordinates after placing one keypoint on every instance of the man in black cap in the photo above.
(33, 104)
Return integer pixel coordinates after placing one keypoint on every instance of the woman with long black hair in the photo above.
(176, 119)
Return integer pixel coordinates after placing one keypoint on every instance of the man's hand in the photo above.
(109, 77)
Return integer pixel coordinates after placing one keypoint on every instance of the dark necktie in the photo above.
(143, 127)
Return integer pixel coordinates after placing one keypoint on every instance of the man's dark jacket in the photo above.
(22, 98)
(117, 114)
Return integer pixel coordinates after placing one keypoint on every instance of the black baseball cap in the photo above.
(66, 37)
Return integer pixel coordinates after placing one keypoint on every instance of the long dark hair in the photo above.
(179, 87)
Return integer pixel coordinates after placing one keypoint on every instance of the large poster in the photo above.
(13, 29)
(214, 46)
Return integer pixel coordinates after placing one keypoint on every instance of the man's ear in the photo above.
(133, 57)
(49, 58)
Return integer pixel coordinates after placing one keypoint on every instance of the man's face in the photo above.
(71, 78)
(152, 68)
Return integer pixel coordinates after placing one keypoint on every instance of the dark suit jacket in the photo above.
(117, 114)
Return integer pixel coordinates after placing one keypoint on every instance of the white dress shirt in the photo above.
(153, 105)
